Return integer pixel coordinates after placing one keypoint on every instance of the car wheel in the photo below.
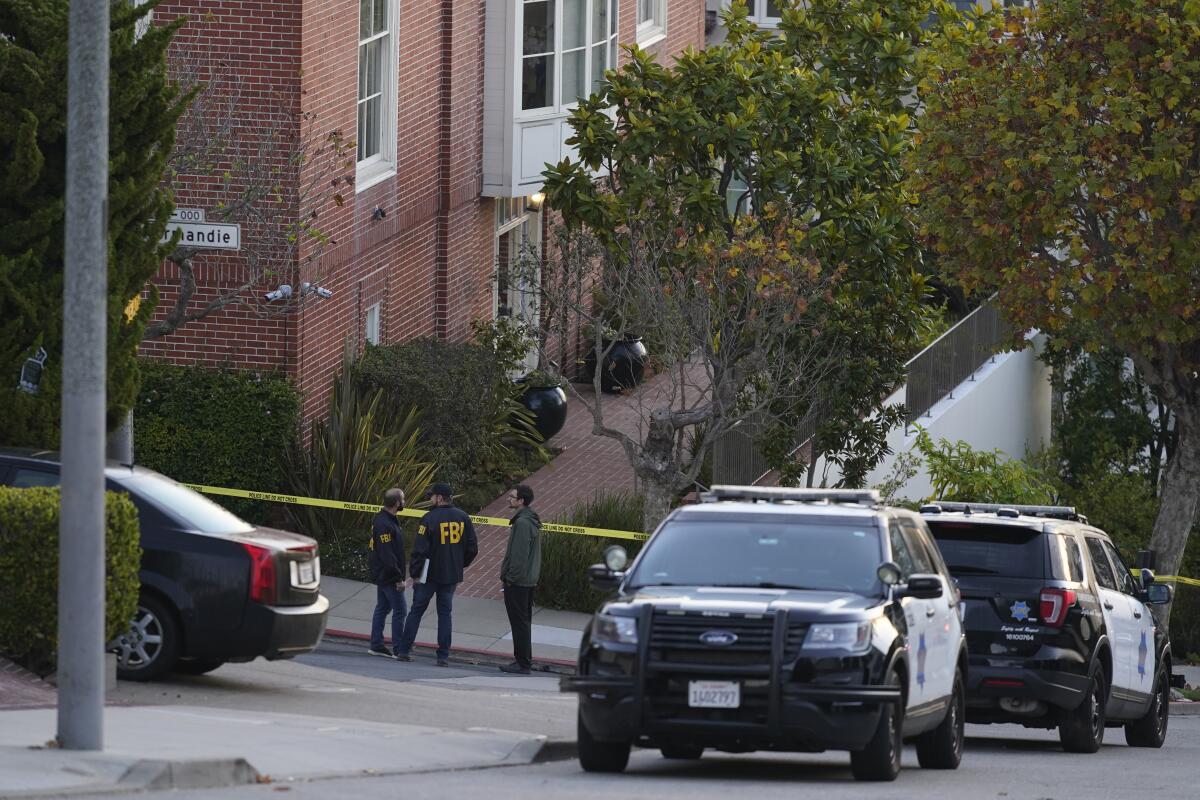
(597, 756)
(197, 666)
(941, 748)
(682, 752)
(880, 759)
(1151, 730)
(1082, 730)
(150, 648)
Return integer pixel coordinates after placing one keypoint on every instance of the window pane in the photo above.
(195, 510)
(29, 478)
(599, 21)
(646, 10)
(990, 550)
(380, 16)
(598, 66)
(368, 128)
(612, 24)
(1100, 565)
(364, 19)
(537, 82)
(574, 81)
(773, 7)
(574, 22)
(370, 69)
(539, 27)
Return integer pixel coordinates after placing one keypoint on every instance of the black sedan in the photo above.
(214, 587)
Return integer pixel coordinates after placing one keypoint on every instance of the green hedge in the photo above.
(566, 557)
(218, 427)
(29, 571)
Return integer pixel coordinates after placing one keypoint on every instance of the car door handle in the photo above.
(1137, 615)
(1108, 605)
(929, 612)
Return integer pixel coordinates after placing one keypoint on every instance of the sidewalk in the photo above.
(480, 624)
(180, 747)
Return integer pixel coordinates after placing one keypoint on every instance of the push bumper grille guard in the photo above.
(776, 690)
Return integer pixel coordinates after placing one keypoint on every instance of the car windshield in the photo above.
(193, 509)
(763, 552)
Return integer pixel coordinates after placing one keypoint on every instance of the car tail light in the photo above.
(1055, 603)
(262, 573)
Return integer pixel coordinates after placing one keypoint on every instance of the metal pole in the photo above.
(84, 366)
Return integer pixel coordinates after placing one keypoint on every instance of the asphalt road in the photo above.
(340, 680)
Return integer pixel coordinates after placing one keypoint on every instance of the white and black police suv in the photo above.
(776, 619)
(1059, 630)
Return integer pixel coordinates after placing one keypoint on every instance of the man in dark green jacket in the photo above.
(519, 573)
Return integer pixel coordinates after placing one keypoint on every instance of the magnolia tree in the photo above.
(276, 170)
(1059, 167)
(742, 211)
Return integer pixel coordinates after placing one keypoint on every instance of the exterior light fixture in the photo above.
(536, 199)
(31, 372)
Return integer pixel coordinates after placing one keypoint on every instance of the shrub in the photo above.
(217, 427)
(360, 451)
(473, 424)
(958, 472)
(29, 572)
(566, 557)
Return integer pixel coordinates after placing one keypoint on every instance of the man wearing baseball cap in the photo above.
(444, 547)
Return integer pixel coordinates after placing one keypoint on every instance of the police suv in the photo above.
(776, 619)
(1059, 631)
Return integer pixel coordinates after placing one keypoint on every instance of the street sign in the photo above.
(187, 215)
(206, 235)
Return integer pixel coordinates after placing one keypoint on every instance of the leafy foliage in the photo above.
(1057, 167)
(29, 572)
(194, 424)
(959, 472)
(143, 110)
(359, 451)
(566, 557)
(473, 425)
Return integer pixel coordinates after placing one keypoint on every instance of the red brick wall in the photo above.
(429, 261)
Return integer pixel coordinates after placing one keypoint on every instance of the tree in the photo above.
(144, 108)
(276, 169)
(1059, 166)
(748, 219)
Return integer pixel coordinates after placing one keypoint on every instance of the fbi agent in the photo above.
(386, 562)
(445, 545)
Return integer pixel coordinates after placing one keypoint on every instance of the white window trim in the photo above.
(377, 168)
(560, 108)
(373, 337)
(758, 15)
(654, 30)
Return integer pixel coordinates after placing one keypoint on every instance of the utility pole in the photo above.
(81, 599)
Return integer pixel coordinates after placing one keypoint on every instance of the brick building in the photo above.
(455, 106)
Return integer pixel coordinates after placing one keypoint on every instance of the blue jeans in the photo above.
(388, 598)
(422, 594)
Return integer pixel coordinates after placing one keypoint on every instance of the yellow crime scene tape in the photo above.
(500, 522)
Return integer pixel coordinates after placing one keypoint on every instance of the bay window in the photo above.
(566, 45)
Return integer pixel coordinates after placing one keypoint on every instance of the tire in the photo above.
(197, 666)
(1082, 730)
(1151, 730)
(150, 648)
(597, 756)
(682, 752)
(880, 759)
(941, 748)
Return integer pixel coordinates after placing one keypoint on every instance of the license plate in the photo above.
(306, 574)
(714, 694)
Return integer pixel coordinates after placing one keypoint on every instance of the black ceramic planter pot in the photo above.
(548, 404)
(624, 365)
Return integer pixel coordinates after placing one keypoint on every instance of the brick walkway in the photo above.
(588, 464)
(20, 688)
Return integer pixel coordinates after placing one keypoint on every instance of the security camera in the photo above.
(324, 293)
(283, 292)
(306, 288)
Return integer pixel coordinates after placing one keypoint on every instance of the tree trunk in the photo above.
(657, 492)
(1180, 499)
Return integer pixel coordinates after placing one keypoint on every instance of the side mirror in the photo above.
(603, 578)
(923, 587)
(1158, 594)
(889, 573)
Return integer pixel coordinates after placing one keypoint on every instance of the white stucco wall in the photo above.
(1004, 406)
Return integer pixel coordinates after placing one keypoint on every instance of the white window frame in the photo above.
(372, 324)
(759, 15)
(517, 213)
(590, 46)
(375, 168)
(652, 29)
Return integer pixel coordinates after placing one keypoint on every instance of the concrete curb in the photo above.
(154, 774)
(556, 750)
(469, 653)
(1183, 708)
